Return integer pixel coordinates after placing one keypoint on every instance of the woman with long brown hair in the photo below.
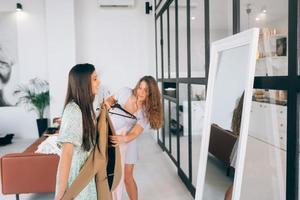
(77, 136)
(144, 102)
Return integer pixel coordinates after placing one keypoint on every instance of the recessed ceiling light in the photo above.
(264, 9)
(193, 18)
(257, 18)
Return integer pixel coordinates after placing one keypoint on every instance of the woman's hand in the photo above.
(59, 196)
(108, 105)
(117, 140)
(110, 101)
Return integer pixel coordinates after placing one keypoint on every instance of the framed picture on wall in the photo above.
(281, 46)
(9, 70)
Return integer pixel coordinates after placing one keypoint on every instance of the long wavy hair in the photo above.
(237, 116)
(80, 92)
(152, 104)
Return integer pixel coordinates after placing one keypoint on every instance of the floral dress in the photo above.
(71, 132)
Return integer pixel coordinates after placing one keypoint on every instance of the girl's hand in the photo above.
(117, 140)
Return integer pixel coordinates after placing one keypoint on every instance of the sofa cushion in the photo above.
(28, 172)
(221, 143)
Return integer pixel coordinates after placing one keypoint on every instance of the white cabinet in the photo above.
(268, 123)
(272, 66)
(197, 117)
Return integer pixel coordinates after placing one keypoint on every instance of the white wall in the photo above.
(32, 63)
(118, 41)
(60, 29)
(7, 5)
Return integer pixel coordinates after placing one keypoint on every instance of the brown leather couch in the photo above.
(221, 143)
(28, 172)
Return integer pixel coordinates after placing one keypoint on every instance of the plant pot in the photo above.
(42, 125)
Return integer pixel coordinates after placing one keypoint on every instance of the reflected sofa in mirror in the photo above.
(227, 113)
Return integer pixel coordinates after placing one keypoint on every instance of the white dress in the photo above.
(122, 125)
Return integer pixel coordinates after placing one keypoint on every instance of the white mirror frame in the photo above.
(248, 37)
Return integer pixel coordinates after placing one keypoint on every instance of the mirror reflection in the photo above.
(227, 102)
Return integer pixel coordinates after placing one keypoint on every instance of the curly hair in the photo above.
(153, 105)
(237, 116)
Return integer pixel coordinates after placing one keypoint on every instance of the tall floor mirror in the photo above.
(227, 114)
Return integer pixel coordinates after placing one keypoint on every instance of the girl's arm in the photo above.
(64, 169)
(131, 135)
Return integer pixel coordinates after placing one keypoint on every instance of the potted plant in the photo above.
(35, 96)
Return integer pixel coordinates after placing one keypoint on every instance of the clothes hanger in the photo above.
(116, 105)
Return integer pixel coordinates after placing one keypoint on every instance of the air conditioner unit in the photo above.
(116, 3)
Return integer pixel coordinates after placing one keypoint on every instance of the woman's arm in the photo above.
(131, 135)
(64, 169)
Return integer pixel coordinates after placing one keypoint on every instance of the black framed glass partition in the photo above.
(298, 96)
(298, 41)
(182, 39)
(184, 128)
(167, 125)
(185, 30)
(220, 19)
(158, 49)
(198, 96)
(182, 44)
(172, 40)
(165, 44)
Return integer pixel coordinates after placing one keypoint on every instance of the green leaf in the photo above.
(34, 95)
